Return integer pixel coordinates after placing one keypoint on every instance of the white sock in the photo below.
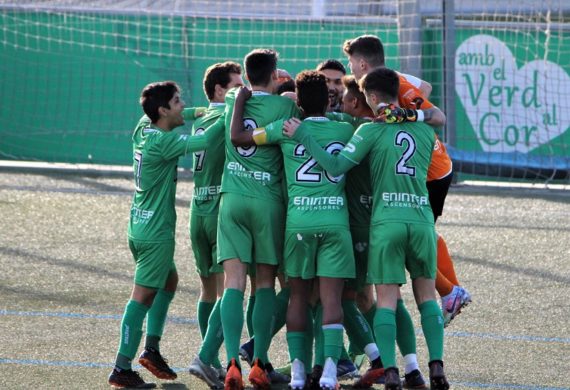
(411, 362)
(371, 350)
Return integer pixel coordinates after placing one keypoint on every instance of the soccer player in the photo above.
(365, 53)
(317, 238)
(251, 219)
(151, 230)
(402, 234)
(208, 166)
(333, 70)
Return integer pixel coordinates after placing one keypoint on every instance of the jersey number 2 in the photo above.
(401, 166)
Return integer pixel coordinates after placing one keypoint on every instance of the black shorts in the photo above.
(437, 190)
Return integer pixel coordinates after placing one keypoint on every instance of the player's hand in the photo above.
(393, 114)
(290, 95)
(244, 93)
(290, 127)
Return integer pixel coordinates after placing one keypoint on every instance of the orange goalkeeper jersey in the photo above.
(411, 97)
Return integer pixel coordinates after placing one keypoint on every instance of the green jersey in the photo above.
(155, 160)
(208, 163)
(316, 198)
(399, 158)
(358, 186)
(256, 171)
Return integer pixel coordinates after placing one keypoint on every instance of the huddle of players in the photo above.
(238, 218)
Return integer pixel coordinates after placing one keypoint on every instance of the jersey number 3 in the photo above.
(402, 168)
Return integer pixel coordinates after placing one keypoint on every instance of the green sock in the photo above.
(432, 326)
(309, 339)
(405, 332)
(357, 329)
(318, 335)
(333, 341)
(213, 338)
(385, 331)
(369, 315)
(131, 333)
(249, 315)
(281, 303)
(232, 321)
(343, 353)
(296, 343)
(204, 311)
(156, 318)
(263, 320)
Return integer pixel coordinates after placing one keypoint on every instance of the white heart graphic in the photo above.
(510, 109)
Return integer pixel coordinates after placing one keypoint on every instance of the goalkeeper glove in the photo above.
(392, 114)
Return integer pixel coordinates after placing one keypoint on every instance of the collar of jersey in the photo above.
(316, 119)
(259, 93)
(212, 105)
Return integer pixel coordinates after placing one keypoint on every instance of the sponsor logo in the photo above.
(403, 199)
(238, 170)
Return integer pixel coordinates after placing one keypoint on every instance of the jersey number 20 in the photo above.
(304, 173)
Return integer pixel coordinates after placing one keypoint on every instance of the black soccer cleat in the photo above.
(414, 380)
(392, 381)
(153, 361)
(437, 379)
(121, 379)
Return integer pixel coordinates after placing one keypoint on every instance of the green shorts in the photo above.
(360, 236)
(203, 231)
(395, 247)
(326, 253)
(154, 262)
(250, 229)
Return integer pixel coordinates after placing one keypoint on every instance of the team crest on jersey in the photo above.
(247, 151)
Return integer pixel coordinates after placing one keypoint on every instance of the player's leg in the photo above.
(296, 330)
(235, 244)
(267, 224)
(335, 263)
(203, 236)
(151, 358)
(153, 263)
(422, 267)
(332, 327)
(385, 331)
(386, 270)
(454, 297)
(249, 308)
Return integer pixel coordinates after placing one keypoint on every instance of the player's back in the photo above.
(256, 171)
(208, 164)
(399, 159)
(316, 198)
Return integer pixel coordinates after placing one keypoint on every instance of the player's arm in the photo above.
(335, 164)
(239, 136)
(424, 87)
(175, 145)
(419, 108)
(342, 117)
(259, 136)
(192, 113)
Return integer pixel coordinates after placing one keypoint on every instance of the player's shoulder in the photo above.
(370, 126)
(231, 95)
(341, 126)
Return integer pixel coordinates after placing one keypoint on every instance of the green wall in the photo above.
(70, 83)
